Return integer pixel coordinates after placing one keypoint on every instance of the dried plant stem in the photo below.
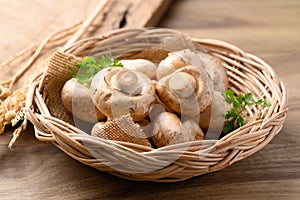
(37, 49)
(61, 34)
(86, 24)
(21, 54)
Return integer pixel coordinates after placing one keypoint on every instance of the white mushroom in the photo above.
(120, 91)
(77, 100)
(203, 61)
(168, 129)
(169, 65)
(186, 91)
(216, 71)
(141, 65)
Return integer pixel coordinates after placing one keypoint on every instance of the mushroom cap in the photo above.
(216, 71)
(155, 55)
(194, 98)
(127, 81)
(77, 100)
(141, 65)
(169, 65)
(204, 61)
(168, 129)
(115, 95)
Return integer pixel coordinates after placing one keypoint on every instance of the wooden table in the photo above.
(268, 29)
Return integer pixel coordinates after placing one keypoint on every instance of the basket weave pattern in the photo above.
(247, 73)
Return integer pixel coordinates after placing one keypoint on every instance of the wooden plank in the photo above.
(115, 14)
(132, 13)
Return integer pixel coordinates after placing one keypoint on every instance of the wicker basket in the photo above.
(247, 73)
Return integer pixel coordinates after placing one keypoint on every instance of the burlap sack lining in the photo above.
(57, 74)
(123, 129)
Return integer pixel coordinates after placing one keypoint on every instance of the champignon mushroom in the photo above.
(170, 64)
(186, 91)
(168, 129)
(119, 91)
(216, 71)
(155, 55)
(77, 100)
(210, 64)
(141, 65)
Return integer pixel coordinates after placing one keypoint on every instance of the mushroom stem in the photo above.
(126, 81)
(182, 84)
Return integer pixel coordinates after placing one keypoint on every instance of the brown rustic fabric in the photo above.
(123, 129)
(57, 74)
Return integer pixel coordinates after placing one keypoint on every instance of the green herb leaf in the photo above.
(228, 95)
(240, 121)
(90, 66)
(228, 126)
(248, 98)
(266, 104)
(240, 98)
(230, 113)
(233, 117)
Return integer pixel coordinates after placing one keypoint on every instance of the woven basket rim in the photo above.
(233, 147)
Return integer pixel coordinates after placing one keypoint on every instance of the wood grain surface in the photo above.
(269, 29)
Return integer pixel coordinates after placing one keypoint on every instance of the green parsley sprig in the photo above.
(233, 117)
(90, 65)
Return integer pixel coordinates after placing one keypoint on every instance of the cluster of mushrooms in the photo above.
(176, 100)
